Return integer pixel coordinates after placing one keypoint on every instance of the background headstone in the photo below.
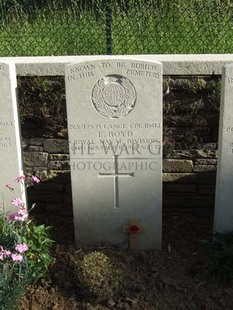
(10, 146)
(223, 219)
(114, 110)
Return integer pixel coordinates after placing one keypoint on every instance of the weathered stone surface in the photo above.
(177, 154)
(205, 153)
(36, 141)
(209, 146)
(35, 148)
(180, 177)
(204, 168)
(194, 153)
(59, 165)
(189, 85)
(59, 157)
(59, 175)
(206, 161)
(114, 112)
(35, 159)
(56, 146)
(11, 164)
(189, 64)
(25, 143)
(34, 169)
(41, 174)
(223, 218)
(173, 165)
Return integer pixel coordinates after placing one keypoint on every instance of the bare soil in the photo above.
(171, 279)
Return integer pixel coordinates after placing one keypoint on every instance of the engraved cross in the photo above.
(115, 175)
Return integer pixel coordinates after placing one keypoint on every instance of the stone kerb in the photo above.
(209, 64)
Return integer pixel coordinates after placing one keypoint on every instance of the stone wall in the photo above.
(191, 108)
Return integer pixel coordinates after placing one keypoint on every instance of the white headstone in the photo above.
(223, 218)
(114, 110)
(10, 146)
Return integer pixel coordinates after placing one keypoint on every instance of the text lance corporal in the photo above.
(114, 126)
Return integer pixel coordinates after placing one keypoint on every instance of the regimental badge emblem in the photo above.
(114, 96)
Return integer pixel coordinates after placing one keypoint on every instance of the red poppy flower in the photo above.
(133, 229)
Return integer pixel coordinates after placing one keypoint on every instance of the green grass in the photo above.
(65, 27)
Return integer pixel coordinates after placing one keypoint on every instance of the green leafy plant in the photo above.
(24, 251)
(220, 266)
(96, 276)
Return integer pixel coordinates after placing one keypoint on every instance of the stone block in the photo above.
(35, 148)
(205, 153)
(174, 165)
(35, 169)
(204, 168)
(180, 177)
(25, 143)
(56, 146)
(59, 157)
(36, 141)
(41, 174)
(206, 161)
(59, 165)
(178, 154)
(35, 159)
(59, 175)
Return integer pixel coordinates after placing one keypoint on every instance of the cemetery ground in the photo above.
(175, 278)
